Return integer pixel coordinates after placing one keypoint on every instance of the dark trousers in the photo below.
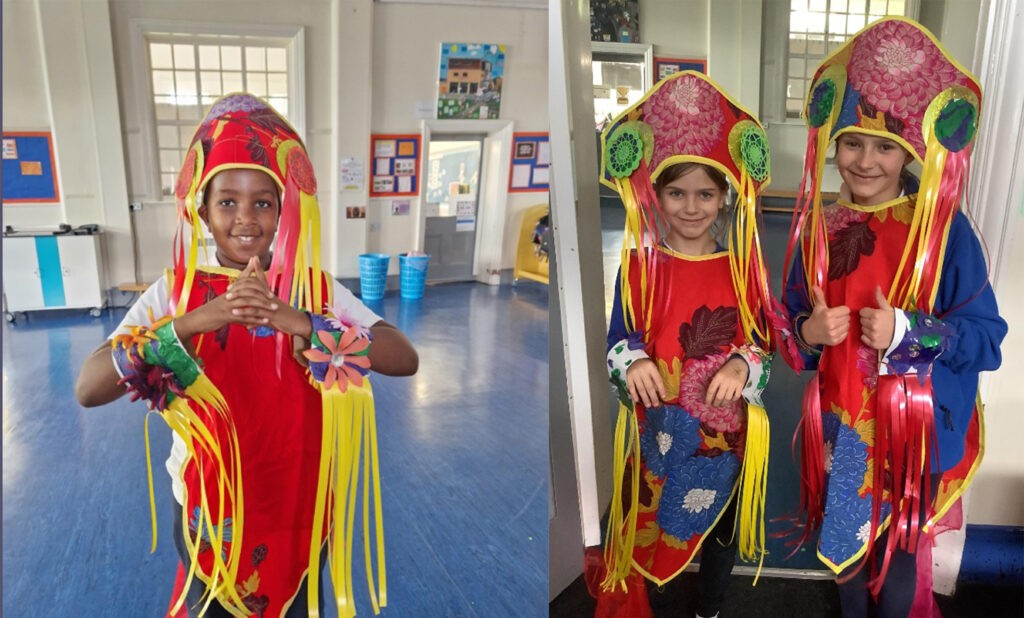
(897, 593)
(194, 600)
(717, 557)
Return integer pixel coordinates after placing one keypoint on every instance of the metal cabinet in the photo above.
(52, 272)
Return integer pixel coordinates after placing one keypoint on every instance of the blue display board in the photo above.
(29, 174)
(531, 163)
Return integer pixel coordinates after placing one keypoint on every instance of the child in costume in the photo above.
(689, 336)
(258, 363)
(890, 303)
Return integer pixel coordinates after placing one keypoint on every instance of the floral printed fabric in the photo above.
(668, 436)
(686, 116)
(621, 357)
(695, 493)
(918, 341)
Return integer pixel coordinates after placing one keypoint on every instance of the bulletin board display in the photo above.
(531, 163)
(29, 173)
(663, 67)
(395, 165)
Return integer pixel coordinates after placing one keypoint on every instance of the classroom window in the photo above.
(189, 72)
(819, 27)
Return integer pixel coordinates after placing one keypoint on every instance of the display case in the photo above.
(623, 72)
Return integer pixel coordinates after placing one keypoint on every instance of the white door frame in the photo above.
(492, 192)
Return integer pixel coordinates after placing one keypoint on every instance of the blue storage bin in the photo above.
(413, 275)
(373, 275)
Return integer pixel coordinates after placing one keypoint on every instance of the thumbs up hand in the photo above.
(877, 325)
(826, 325)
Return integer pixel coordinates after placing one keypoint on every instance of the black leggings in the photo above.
(194, 598)
(717, 557)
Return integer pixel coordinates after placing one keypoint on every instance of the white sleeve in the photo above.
(155, 297)
(353, 307)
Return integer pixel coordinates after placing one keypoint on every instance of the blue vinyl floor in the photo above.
(463, 460)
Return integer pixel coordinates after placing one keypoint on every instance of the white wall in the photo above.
(406, 52)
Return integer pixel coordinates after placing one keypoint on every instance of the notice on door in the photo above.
(465, 215)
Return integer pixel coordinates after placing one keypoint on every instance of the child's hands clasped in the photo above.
(727, 384)
(826, 325)
(645, 383)
(248, 302)
(877, 326)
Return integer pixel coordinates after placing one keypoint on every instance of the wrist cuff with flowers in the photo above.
(918, 339)
(621, 357)
(153, 363)
(759, 368)
(339, 355)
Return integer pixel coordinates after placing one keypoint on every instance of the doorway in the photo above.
(451, 204)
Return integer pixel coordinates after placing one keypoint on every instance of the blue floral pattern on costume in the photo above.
(829, 429)
(695, 493)
(668, 435)
(847, 514)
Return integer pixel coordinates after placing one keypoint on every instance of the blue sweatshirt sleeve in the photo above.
(798, 306)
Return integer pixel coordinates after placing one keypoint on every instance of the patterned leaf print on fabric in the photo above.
(708, 332)
(646, 494)
(268, 119)
(845, 249)
(257, 150)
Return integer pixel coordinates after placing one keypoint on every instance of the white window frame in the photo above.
(292, 36)
(775, 58)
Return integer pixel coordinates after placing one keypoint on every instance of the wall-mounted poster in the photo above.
(469, 85)
(663, 67)
(531, 162)
(29, 173)
(615, 21)
(395, 165)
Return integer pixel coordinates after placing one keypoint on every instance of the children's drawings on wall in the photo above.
(469, 84)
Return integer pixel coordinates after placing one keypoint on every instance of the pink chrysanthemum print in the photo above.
(693, 388)
(899, 70)
(838, 217)
(867, 363)
(685, 116)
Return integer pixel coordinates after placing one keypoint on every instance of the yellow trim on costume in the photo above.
(693, 258)
(700, 543)
(878, 207)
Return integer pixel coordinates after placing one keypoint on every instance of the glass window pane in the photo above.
(209, 57)
(210, 83)
(878, 7)
(796, 67)
(277, 59)
(858, 6)
(816, 22)
(167, 136)
(281, 105)
(160, 56)
(797, 44)
(231, 58)
(165, 108)
(232, 82)
(816, 45)
(794, 107)
(798, 5)
(207, 102)
(277, 85)
(817, 5)
(163, 82)
(189, 112)
(812, 67)
(184, 57)
(854, 23)
(186, 133)
(185, 81)
(255, 59)
(167, 183)
(256, 83)
(798, 21)
(170, 160)
(838, 6)
(795, 88)
(897, 7)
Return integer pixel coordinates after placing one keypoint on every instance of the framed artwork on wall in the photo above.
(395, 165)
(663, 67)
(469, 81)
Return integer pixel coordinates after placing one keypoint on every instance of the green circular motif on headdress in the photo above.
(623, 152)
(822, 99)
(754, 152)
(956, 124)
